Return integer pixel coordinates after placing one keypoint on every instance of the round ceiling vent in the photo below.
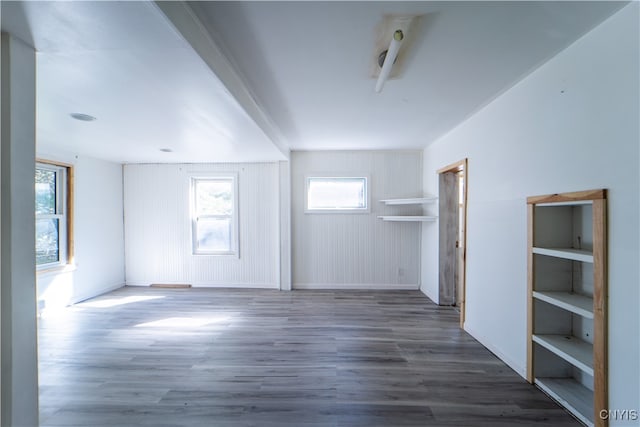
(82, 117)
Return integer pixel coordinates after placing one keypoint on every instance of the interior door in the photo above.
(453, 183)
(449, 224)
(461, 243)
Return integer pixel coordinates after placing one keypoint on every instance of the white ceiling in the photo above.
(123, 63)
(309, 62)
(305, 68)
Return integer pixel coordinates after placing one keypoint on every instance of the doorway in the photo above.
(453, 184)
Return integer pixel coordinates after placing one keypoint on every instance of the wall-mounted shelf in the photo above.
(570, 394)
(569, 301)
(571, 349)
(408, 218)
(410, 201)
(406, 202)
(566, 253)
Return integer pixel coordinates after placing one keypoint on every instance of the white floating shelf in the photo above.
(411, 201)
(566, 253)
(575, 351)
(575, 303)
(410, 218)
(570, 394)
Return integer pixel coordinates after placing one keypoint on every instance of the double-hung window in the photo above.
(334, 194)
(214, 215)
(52, 239)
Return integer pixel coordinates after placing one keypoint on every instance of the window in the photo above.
(337, 194)
(215, 215)
(52, 215)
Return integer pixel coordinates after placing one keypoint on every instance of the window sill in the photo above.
(67, 268)
(216, 254)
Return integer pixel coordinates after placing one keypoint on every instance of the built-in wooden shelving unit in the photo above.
(567, 302)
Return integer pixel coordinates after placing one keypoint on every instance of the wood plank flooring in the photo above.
(221, 357)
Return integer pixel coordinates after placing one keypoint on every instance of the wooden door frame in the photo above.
(460, 166)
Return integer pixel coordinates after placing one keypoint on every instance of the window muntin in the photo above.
(337, 194)
(51, 215)
(214, 215)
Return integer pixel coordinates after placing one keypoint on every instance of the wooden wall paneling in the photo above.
(158, 227)
(358, 250)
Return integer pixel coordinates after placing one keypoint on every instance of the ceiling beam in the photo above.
(191, 28)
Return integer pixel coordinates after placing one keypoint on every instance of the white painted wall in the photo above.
(357, 250)
(571, 125)
(158, 228)
(98, 234)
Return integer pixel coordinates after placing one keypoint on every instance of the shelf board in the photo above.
(566, 253)
(577, 203)
(575, 303)
(577, 398)
(575, 351)
(410, 218)
(410, 201)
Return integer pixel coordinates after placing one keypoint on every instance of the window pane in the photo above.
(45, 192)
(214, 197)
(214, 235)
(47, 241)
(337, 193)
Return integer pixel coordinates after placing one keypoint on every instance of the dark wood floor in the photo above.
(205, 357)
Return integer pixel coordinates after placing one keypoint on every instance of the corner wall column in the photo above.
(285, 225)
(18, 339)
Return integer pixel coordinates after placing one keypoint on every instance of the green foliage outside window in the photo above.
(47, 224)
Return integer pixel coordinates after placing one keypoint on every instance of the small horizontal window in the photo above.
(337, 194)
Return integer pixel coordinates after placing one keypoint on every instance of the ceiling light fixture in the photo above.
(388, 57)
(82, 117)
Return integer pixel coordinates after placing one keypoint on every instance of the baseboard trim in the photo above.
(520, 370)
(77, 299)
(213, 285)
(358, 286)
(427, 295)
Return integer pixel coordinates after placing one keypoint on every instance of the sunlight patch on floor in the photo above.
(107, 303)
(185, 322)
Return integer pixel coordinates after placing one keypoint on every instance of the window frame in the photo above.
(367, 196)
(235, 234)
(64, 213)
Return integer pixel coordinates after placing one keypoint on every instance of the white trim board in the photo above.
(424, 292)
(359, 286)
(89, 295)
(520, 370)
(210, 285)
